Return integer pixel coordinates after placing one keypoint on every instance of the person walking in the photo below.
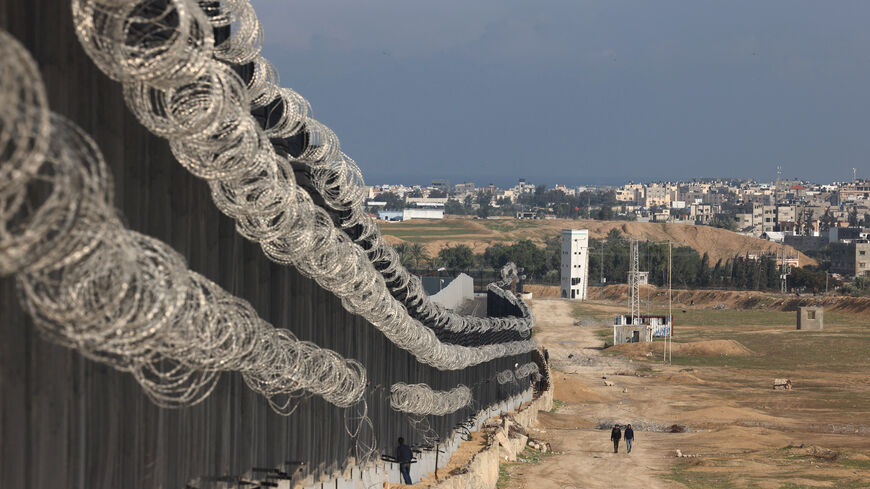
(615, 435)
(404, 457)
(629, 437)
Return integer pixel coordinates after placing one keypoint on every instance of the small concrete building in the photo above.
(575, 263)
(811, 318)
(632, 333)
(648, 326)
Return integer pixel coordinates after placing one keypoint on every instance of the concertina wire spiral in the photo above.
(422, 399)
(120, 297)
(522, 372)
(339, 182)
(164, 54)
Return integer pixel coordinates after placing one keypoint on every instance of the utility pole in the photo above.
(784, 271)
(634, 283)
(670, 341)
(601, 279)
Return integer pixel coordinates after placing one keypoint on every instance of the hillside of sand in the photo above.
(479, 234)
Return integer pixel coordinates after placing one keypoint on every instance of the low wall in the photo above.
(378, 473)
(482, 471)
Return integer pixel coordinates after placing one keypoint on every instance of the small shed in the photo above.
(811, 318)
(631, 333)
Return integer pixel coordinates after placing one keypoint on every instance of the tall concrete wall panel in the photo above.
(458, 291)
(68, 422)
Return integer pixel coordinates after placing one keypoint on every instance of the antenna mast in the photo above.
(634, 282)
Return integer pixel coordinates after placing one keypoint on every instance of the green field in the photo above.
(843, 346)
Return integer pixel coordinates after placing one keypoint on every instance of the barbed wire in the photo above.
(205, 116)
(527, 369)
(505, 376)
(126, 299)
(338, 180)
(422, 399)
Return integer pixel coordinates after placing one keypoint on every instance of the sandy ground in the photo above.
(705, 299)
(586, 458)
(747, 445)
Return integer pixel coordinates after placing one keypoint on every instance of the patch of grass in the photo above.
(682, 473)
(583, 310)
(841, 347)
(855, 464)
(556, 405)
(506, 226)
(504, 475)
(527, 456)
(838, 483)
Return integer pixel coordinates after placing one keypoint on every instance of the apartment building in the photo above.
(656, 196)
(633, 192)
(851, 259)
(703, 213)
(857, 190)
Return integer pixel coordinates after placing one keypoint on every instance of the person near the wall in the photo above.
(615, 435)
(404, 456)
(629, 437)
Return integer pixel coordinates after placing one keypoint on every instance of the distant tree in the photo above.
(827, 221)
(853, 216)
(418, 254)
(605, 213)
(807, 279)
(456, 258)
(807, 221)
(405, 255)
(613, 236)
(484, 200)
(416, 193)
(454, 207)
(394, 202)
(724, 221)
(437, 194)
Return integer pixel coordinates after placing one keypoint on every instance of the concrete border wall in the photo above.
(68, 422)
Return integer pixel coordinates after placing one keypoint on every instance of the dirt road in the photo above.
(739, 431)
(586, 458)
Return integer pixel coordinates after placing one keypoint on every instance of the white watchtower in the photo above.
(575, 263)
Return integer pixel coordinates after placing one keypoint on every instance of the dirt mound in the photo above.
(569, 388)
(542, 291)
(709, 348)
(738, 299)
(814, 451)
(482, 233)
(561, 420)
(684, 378)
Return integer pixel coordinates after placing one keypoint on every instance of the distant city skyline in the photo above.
(613, 182)
(581, 90)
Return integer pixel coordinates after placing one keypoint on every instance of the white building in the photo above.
(422, 213)
(575, 263)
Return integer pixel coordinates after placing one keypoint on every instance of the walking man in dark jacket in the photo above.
(629, 437)
(404, 456)
(615, 435)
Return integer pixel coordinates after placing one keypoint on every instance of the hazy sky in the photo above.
(582, 91)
